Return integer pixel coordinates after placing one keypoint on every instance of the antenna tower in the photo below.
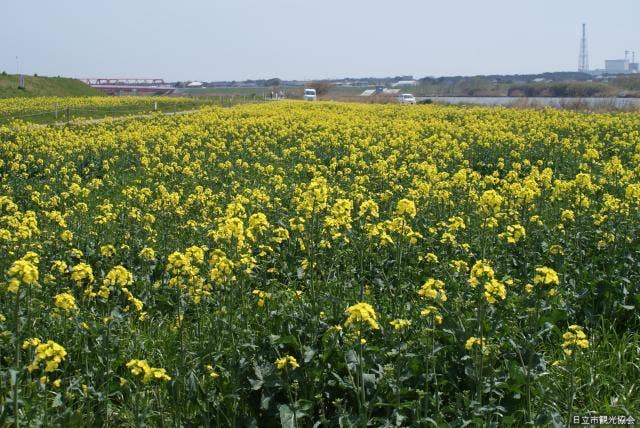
(583, 61)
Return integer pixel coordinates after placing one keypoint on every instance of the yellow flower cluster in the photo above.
(143, 370)
(262, 296)
(118, 276)
(514, 234)
(66, 302)
(107, 250)
(433, 289)
(147, 253)
(82, 272)
(23, 271)
(406, 207)
(286, 361)
(48, 353)
(546, 276)
(362, 313)
(432, 311)
(480, 271)
(490, 202)
(574, 338)
(369, 210)
(493, 290)
(474, 341)
(213, 374)
(399, 324)
(221, 267)
(339, 218)
(314, 198)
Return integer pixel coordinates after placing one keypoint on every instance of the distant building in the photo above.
(633, 67)
(616, 66)
(379, 90)
(405, 83)
(195, 85)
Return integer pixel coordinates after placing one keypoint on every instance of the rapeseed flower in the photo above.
(118, 276)
(24, 272)
(48, 353)
(362, 313)
(66, 302)
(574, 338)
(480, 271)
(262, 296)
(82, 272)
(406, 207)
(147, 253)
(142, 369)
(493, 290)
(399, 324)
(433, 289)
(368, 210)
(474, 341)
(107, 250)
(514, 234)
(546, 276)
(286, 361)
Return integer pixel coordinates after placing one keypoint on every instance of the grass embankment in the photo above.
(44, 87)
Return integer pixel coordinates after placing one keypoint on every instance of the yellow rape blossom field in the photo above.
(321, 264)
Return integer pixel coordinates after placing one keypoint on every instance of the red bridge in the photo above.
(126, 86)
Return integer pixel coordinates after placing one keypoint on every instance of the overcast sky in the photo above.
(304, 39)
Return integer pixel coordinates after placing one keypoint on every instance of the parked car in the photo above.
(310, 94)
(407, 99)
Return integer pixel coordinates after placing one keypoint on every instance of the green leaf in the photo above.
(13, 373)
(309, 354)
(287, 417)
(57, 401)
(265, 401)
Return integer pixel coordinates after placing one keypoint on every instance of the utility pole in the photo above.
(583, 60)
(20, 76)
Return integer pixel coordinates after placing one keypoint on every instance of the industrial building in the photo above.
(616, 66)
(621, 66)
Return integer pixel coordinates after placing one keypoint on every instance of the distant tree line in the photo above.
(558, 76)
(562, 89)
(629, 82)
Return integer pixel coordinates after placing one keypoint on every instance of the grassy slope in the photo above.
(44, 86)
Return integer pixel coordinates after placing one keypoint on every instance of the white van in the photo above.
(310, 94)
(407, 99)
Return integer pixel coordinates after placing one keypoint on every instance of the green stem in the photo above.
(363, 394)
(572, 388)
(291, 402)
(481, 333)
(17, 338)
(108, 357)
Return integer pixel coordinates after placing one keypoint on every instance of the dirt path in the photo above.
(108, 118)
(116, 118)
